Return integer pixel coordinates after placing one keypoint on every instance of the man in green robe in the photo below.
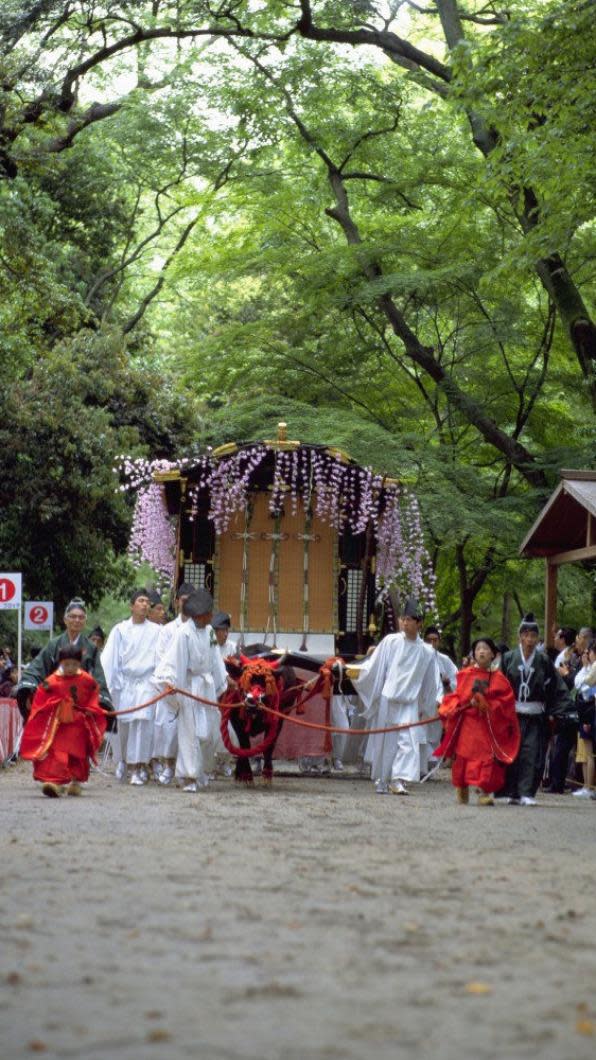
(540, 693)
(75, 617)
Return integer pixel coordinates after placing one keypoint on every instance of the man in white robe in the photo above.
(448, 672)
(219, 756)
(128, 660)
(193, 663)
(221, 623)
(165, 745)
(398, 684)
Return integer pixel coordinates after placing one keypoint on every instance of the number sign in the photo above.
(39, 614)
(10, 592)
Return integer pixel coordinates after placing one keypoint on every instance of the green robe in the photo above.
(47, 661)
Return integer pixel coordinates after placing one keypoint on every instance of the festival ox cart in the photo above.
(309, 553)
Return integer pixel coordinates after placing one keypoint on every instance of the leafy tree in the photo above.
(61, 429)
(385, 215)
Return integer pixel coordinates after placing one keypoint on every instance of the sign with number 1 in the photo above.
(10, 591)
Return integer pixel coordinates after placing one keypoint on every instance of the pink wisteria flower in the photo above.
(341, 494)
(153, 535)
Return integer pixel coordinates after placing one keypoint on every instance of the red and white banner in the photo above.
(10, 591)
(39, 614)
(10, 727)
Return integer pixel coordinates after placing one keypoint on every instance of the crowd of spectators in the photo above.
(8, 674)
(574, 656)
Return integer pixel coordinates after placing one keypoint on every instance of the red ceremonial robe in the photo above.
(481, 729)
(64, 729)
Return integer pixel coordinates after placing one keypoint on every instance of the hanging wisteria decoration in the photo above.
(153, 537)
(339, 492)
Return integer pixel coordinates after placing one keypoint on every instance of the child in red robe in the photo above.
(65, 727)
(481, 726)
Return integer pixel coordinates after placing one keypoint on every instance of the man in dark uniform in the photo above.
(46, 662)
(540, 692)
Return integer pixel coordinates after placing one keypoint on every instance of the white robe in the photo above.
(447, 670)
(128, 660)
(229, 648)
(166, 716)
(218, 747)
(193, 662)
(399, 683)
(434, 731)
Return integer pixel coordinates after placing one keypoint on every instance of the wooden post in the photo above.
(550, 602)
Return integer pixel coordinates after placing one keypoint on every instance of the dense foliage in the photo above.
(374, 220)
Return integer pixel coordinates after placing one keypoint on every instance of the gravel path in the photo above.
(314, 921)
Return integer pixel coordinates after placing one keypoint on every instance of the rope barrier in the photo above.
(310, 724)
(270, 710)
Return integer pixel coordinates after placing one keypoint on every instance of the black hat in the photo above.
(412, 608)
(154, 597)
(221, 620)
(529, 624)
(184, 589)
(200, 602)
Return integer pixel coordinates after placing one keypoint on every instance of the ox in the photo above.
(260, 682)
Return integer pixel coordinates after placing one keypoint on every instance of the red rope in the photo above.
(353, 732)
(278, 714)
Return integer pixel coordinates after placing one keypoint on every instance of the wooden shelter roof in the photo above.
(565, 530)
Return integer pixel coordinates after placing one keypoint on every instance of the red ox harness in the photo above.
(257, 685)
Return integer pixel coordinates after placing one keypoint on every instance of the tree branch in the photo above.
(148, 298)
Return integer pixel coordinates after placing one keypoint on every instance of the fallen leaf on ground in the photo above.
(478, 988)
(159, 1035)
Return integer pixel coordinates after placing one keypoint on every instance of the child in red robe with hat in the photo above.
(481, 727)
(65, 727)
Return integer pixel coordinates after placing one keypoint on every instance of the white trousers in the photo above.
(189, 760)
(136, 740)
(166, 731)
(394, 755)
(339, 718)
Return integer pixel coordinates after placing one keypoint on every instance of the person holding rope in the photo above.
(165, 745)
(46, 661)
(129, 660)
(65, 726)
(481, 727)
(399, 684)
(193, 663)
(221, 759)
(448, 672)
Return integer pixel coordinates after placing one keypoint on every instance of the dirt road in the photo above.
(312, 922)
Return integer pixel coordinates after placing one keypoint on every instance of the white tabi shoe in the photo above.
(338, 765)
(136, 780)
(192, 786)
(397, 788)
(144, 775)
(166, 776)
(583, 793)
(120, 773)
(381, 788)
(526, 800)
